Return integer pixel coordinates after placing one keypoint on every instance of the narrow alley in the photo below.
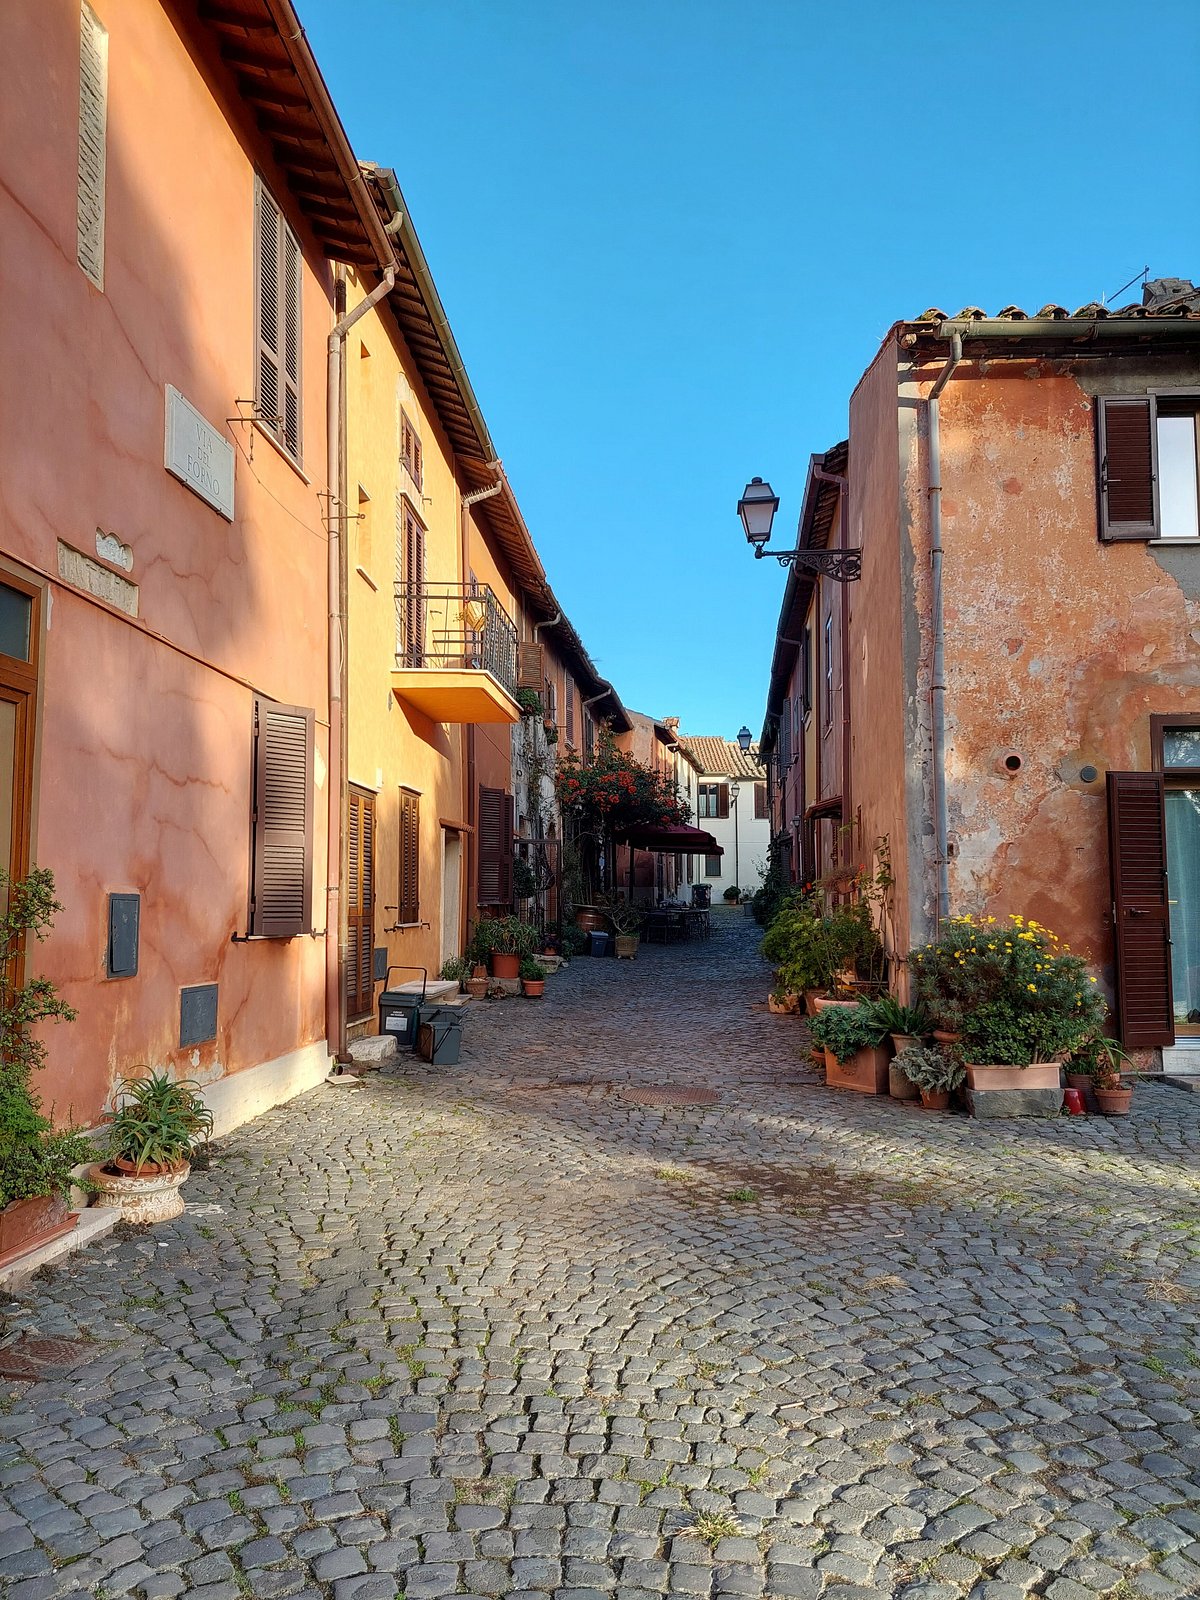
(529, 1325)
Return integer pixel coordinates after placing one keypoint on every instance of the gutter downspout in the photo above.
(550, 622)
(937, 688)
(336, 915)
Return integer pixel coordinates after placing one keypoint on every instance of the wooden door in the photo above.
(1140, 907)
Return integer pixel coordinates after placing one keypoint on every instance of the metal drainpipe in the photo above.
(937, 690)
(550, 622)
(336, 921)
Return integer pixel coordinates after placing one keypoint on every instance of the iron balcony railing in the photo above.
(454, 625)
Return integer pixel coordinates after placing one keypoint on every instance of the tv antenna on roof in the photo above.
(1143, 275)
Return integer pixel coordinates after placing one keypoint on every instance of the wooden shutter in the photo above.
(410, 571)
(531, 667)
(1128, 466)
(278, 304)
(93, 133)
(491, 829)
(281, 867)
(722, 800)
(784, 737)
(508, 850)
(360, 903)
(410, 857)
(760, 800)
(1137, 840)
(569, 691)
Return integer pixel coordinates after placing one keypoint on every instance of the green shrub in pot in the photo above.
(930, 1068)
(910, 1022)
(845, 1030)
(506, 936)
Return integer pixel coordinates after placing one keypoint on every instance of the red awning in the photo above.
(677, 839)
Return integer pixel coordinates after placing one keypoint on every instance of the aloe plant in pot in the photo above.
(152, 1136)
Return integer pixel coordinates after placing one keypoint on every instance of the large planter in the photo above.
(900, 1085)
(26, 1224)
(627, 946)
(866, 1071)
(505, 965)
(534, 988)
(1038, 1075)
(590, 921)
(149, 1196)
(818, 1002)
(935, 1099)
(1114, 1102)
(477, 988)
(785, 1005)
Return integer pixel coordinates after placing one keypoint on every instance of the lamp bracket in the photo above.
(843, 566)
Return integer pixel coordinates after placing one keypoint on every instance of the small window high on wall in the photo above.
(277, 295)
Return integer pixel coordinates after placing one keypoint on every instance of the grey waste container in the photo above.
(702, 896)
(439, 1037)
(400, 1016)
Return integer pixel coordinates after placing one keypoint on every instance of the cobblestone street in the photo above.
(499, 1329)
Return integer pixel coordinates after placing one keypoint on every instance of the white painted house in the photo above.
(731, 804)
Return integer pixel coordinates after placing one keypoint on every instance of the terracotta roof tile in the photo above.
(722, 757)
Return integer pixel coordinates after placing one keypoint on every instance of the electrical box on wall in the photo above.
(124, 918)
(198, 1014)
(379, 971)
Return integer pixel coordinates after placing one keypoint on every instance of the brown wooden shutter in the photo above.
(267, 223)
(290, 272)
(410, 857)
(507, 850)
(491, 834)
(410, 556)
(531, 666)
(784, 737)
(569, 691)
(760, 800)
(360, 903)
(722, 800)
(281, 868)
(1128, 466)
(1137, 840)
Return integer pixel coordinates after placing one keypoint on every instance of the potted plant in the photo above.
(935, 1072)
(457, 969)
(151, 1139)
(550, 731)
(1018, 1000)
(530, 702)
(36, 1160)
(907, 1025)
(1113, 1093)
(852, 1039)
(505, 940)
(732, 895)
(626, 923)
(533, 978)
(810, 947)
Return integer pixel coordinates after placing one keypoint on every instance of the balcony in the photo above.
(456, 654)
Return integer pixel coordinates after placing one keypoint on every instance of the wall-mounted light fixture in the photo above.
(757, 509)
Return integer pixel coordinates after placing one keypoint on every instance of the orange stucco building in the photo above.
(1033, 482)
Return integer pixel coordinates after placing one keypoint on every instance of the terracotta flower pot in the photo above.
(818, 1002)
(534, 988)
(944, 1036)
(627, 946)
(1079, 1080)
(26, 1224)
(935, 1099)
(1114, 1102)
(901, 1041)
(866, 1071)
(900, 1085)
(477, 988)
(1037, 1075)
(505, 965)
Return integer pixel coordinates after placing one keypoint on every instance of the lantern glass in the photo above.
(744, 737)
(757, 509)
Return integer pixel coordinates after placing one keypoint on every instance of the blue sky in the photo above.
(670, 234)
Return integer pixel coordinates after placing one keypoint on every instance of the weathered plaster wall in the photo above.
(144, 763)
(1059, 647)
(880, 754)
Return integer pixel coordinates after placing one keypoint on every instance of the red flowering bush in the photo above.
(614, 790)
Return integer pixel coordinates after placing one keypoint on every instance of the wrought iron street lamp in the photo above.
(744, 738)
(757, 509)
(734, 791)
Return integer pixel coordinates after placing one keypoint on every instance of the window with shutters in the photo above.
(93, 137)
(569, 697)
(410, 585)
(1141, 909)
(785, 735)
(497, 821)
(1149, 466)
(760, 800)
(360, 902)
(409, 896)
(277, 303)
(712, 800)
(410, 448)
(282, 821)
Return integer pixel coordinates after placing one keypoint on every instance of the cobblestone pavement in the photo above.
(495, 1329)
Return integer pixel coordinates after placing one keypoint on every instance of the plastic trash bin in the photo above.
(598, 944)
(400, 1016)
(439, 1037)
(702, 896)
